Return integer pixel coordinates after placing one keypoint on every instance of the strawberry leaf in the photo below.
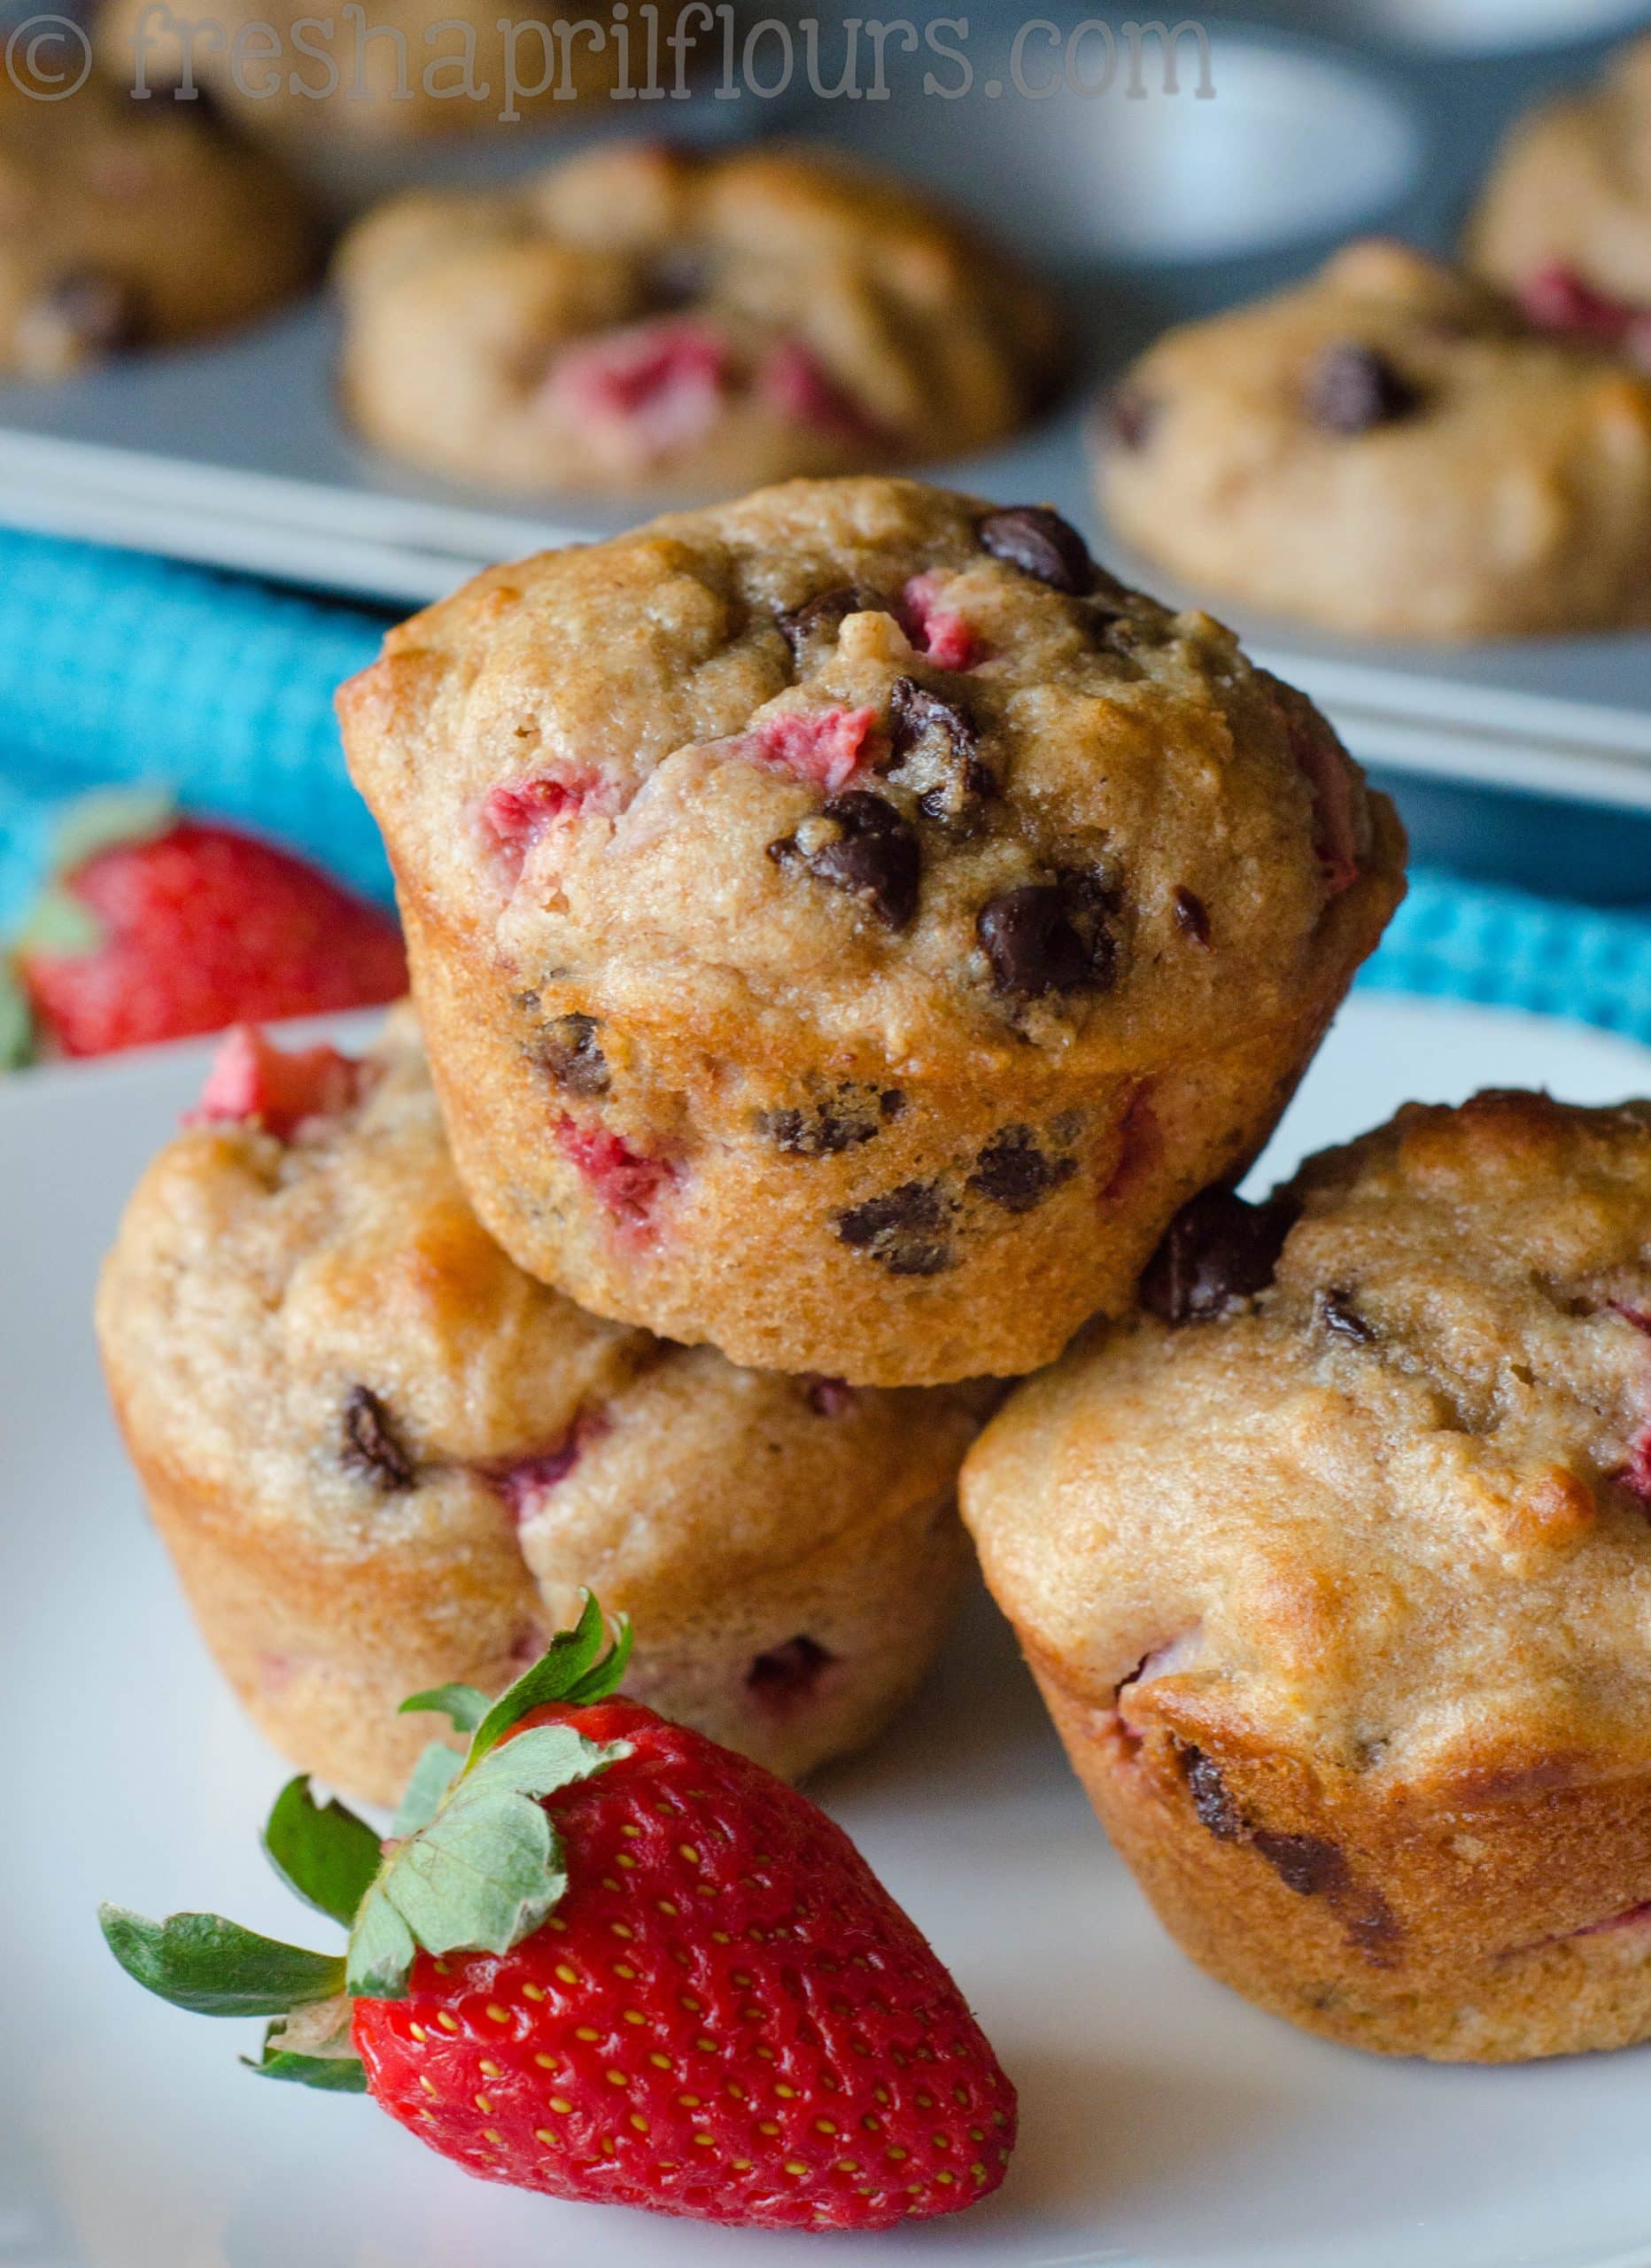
(315, 2047)
(568, 1670)
(321, 1850)
(485, 1871)
(335, 2074)
(462, 1704)
(427, 1783)
(17, 1023)
(109, 817)
(214, 1967)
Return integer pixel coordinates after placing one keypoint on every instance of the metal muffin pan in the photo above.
(1151, 209)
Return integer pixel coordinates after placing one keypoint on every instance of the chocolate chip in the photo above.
(824, 616)
(1305, 1863)
(1353, 388)
(860, 844)
(1217, 1251)
(1191, 916)
(823, 1126)
(567, 1048)
(1337, 1315)
(1013, 1172)
(935, 750)
(1214, 1807)
(1130, 415)
(900, 1229)
(676, 278)
(1040, 544)
(788, 1674)
(1050, 937)
(370, 1447)
(97, 312)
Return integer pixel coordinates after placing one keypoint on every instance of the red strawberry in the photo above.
(279, 1087)
(189, 928)
(605, 1958)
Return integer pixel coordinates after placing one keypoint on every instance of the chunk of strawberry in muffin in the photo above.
(653, 389)
(823, 746)
(795, 382)
(629, 1185)
(940, 633)
(280, 1088)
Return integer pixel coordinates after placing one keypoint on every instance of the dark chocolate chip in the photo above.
(900, 1229)
(568, 1050)
(676, 278)
(1337, 1315)
(1013, 1172)
(1050, 937)
(100, 313)
(1210, 1800)
(370, 1447)
(1353, 388)
(1191, 916)
(934, 751)
(788, 1674)
(1130, 415)
(822, 1126)
(1040, 544)
(860, 843)
(891, 1102)
(1216, 1251)
(1305, 1863)
(824, 616)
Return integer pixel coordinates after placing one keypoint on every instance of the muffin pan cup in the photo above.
(1154, 207)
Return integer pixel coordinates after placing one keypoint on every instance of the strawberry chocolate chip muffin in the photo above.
(1390, 448)
(643, 317)
(1334, 1565)
(1565, 219)
(847, 924)
(384, 1459)
(125, 226)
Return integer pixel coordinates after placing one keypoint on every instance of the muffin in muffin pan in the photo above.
(648, 316)
(847, 924)
(383, 1458)
(1389, 449)
(1334, 1569)
(1564, 221)
(123, 226)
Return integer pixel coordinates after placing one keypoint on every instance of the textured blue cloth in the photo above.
(118, 670)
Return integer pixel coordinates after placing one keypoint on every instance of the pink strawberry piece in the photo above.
(518, 812)
(660, 385)
(1636, 1475)
(1140, 1147)
(1557, 298)
(941, 634)
(822, 747)
(797, 384)
(251, 1081)
(626, 1182)
(525, 1482)
(830, 1397)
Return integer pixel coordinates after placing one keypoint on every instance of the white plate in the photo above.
(1164, 2122)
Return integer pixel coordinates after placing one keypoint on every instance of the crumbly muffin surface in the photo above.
(642, 317)
(124, 225)
(1388, 1513)
(1389, 449)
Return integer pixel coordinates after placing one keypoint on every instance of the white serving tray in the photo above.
(1165, 2124)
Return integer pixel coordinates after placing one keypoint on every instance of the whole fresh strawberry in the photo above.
(158, 927)
(602, 1957)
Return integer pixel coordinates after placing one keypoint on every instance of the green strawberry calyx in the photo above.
(473, 1864)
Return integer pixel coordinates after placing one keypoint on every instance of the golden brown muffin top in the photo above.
(862, 764)
(1384, 1506)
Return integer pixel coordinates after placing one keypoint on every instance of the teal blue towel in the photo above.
(115, 668)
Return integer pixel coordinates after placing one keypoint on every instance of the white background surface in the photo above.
(1164, 2122)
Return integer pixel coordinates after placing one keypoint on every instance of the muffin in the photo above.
(1334, 1567)
(827, 913)
(1564, 222)
(1389, 448)
(123, 226)
(384, 1459)
(645, 316)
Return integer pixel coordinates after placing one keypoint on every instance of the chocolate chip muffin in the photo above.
(384, 1459)
(121, 227)
(829, 915)
(642, 317)
(1334, 1568)
(1564, 223)
(1389, 449)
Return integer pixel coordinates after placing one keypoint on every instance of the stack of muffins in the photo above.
(859, 945)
